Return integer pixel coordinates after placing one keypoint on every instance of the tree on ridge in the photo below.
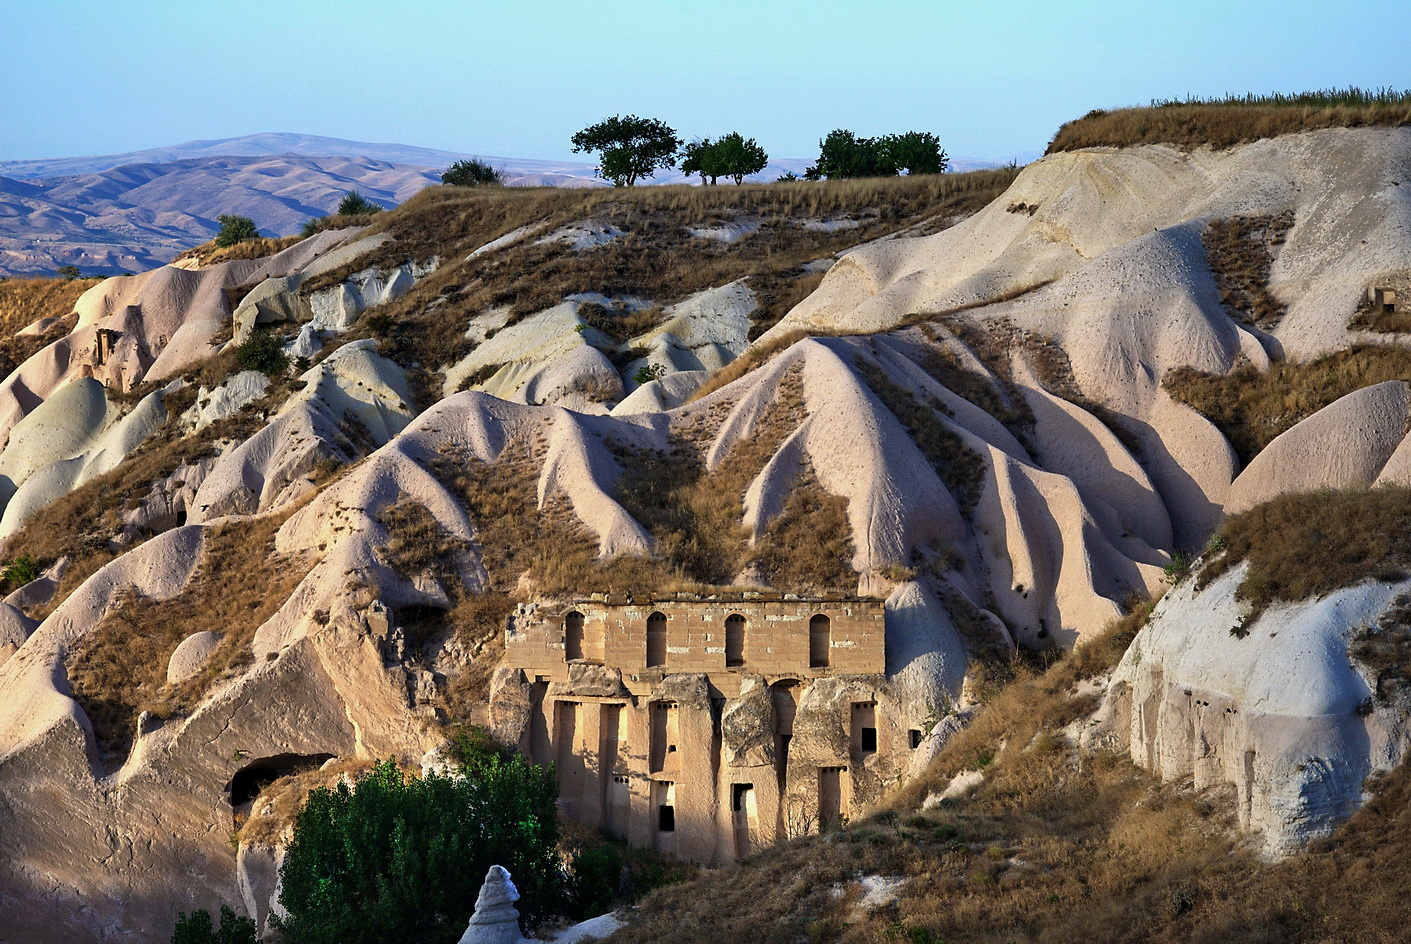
(631, 147)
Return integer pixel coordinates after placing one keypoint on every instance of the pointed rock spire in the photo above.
(496, 920)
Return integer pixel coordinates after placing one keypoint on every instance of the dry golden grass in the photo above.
(808, 548)
(696, 517)
(1000, 397)
(655, 259)
(1251, 408)
(16, 349)
(1310, 544)
(208, 253)
(1228, 122)
(25, 301)
(1240, 252)
(119, 667)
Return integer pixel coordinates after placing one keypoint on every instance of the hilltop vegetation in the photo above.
(651, 254)
(1230, 120)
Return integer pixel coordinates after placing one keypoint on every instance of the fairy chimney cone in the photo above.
(496, 921)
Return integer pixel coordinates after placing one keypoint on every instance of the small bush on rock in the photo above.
(262, 352)
(235, 229)
(355, 204)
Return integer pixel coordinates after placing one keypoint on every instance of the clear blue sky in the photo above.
(516, 79)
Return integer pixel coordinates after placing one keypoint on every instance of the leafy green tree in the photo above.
(196, 928)
(472, 172)
(916, 152)
(631, 148)
(737, 156)
(235, 229)
(694, 160)
(355, 204)
(843, 154)
(396, 857)
(69, 272)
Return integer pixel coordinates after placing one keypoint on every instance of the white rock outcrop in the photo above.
(1281, 712)
(496, 920)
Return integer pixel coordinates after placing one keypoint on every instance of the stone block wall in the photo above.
(726, 745)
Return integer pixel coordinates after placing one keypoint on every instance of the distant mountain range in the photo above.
(133, 211)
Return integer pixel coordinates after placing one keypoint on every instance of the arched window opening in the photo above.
(820, 641)
(734, 640)
(573, 636)
(656, 640)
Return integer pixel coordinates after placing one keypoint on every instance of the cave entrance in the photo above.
(251, 780)
(424, 630)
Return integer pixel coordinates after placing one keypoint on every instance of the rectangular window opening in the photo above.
(737, 795)
(915, 738)
(666, 818)
(869, 740)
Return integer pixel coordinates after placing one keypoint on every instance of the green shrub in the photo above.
(263, 352)
(196, 928)
(20, 570)
(1176, 569)
(69, 272)
(355, 204)
(472, 172)
(395, 857)
(648, 372)
(235, 229)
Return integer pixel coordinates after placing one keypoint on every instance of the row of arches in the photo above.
(820, 639)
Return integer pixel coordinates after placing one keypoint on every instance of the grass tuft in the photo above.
(1310, 544)
(1234, 119)
(1251, 408)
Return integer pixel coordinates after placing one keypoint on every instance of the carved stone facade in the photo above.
(706, 727)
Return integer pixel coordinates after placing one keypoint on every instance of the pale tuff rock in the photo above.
(1281, 713)
(353, 385)
(15, 628)
(191, 656)
(662, 394)
(1348, 443)
(1119, 231)
(1069, 522)
(228, 398)
(705, 332)
(496, 920)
